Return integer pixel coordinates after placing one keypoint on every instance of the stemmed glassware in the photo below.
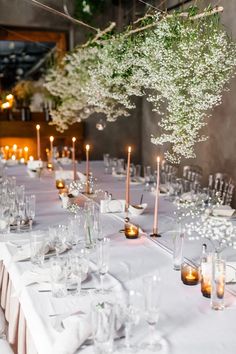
(103, 258)
(152, 292)
(30, 209)
(131, 315)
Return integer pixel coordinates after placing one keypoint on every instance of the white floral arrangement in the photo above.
(181, 62)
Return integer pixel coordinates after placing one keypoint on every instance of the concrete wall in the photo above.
(218, 153)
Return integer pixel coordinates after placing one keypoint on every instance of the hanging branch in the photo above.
(217, 9)
(100, 34)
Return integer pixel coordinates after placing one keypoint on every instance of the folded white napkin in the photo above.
(223, 210)
(35, 164)
(24, 253)
(112, 206)
(76, 330)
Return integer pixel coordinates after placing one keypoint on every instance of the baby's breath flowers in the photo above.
(179, 64)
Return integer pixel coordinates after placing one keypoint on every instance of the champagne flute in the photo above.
(152, 291)
(103, 256)
(30, 209)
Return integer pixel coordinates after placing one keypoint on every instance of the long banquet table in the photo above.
(187, 322)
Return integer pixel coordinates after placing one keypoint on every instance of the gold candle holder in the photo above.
(131, 231)
(49, 166)
(189, 274)
(60, 184)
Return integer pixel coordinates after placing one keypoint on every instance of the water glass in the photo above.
(218, 283)
(74, 273)
(38, 244)
(58, 275)
(103, 321)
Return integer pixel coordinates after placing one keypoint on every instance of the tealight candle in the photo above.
(60, 184)
(131, 231)
(49, 166)
(189, 274)
(206, 276)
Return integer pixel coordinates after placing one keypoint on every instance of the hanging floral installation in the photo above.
(179, 61)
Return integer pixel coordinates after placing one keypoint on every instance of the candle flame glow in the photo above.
(6, 147)
(37, 126)
(26, 149)
(129, 149)
(13, 157)
(158, 159)
(73, 139)
(14, 147)
(10, 97)
(51, 138)
(31, 158)
(87, 147)
(6, 105)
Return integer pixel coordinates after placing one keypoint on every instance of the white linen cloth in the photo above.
(186, 320)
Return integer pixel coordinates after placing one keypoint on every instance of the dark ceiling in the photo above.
(21, 60)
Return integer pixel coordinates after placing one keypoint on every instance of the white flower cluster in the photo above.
(179, 64)
(220, 232)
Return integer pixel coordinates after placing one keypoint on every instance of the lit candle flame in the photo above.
(73, 139)
(5, 105)
(9, 97)
(87, 147)
(51, 138)
(37, 126)
(158, 159)
(129, 149)
(26, 149)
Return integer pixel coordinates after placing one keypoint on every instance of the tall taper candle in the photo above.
(127, 195)
(51, 147)
(73, 157)
(155, 224)
(87, 168)
(38, 141)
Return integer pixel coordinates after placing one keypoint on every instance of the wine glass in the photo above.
(103, 256)
(152, 291)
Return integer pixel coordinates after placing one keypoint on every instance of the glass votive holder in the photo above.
(206, 275)
(60, 184)
(131, 231)
(49, 166)
(218, 284)
(189, 274)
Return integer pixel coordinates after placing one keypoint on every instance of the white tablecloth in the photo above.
(187, 323)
